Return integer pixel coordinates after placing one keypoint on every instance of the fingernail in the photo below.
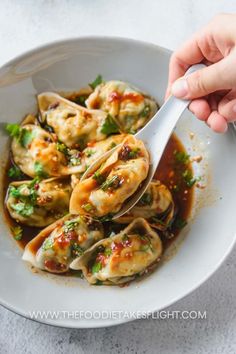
(234, 108)
(180, 88)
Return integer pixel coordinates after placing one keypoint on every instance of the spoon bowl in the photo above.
(155, 136)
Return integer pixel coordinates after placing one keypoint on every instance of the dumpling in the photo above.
(38, 203)
(120, 258)
(54, 248)
(74, 125)
(94, 151)
(156, 205)
(116, 180)
(130, 108)
(37, 153)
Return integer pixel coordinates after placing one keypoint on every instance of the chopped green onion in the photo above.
(96, 82)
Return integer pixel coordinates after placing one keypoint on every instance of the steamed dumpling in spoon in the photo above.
(129, 107)
(55, 247)
(113, 182)
(74, 125)
(120, 258)
(95, 150)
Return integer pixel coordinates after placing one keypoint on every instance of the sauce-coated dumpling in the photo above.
(37, 153)
(74, 125)
(39, 203)
(55, 247)
(156, 205)
(115, 181)
(128, 106)
(94, 151)
(118, 259)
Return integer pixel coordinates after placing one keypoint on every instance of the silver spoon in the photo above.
(155, 136)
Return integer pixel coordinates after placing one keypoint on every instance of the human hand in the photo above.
(212, 89)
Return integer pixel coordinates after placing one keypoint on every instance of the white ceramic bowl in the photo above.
(68, 65)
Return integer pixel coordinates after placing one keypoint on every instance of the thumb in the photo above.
(215, 77)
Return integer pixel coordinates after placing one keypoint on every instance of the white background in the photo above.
(24, 24)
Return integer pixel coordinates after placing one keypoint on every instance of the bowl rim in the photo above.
(110, 323)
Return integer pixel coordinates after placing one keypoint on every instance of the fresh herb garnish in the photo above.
(26, 195)
(146, 199)
(188, 178)
(62, 148)
(96, 267)
(99, 178)
(89, 152)
(13, 130)
(113, 144)
(134, 153)
(109, 126)
(77, 250)
(24, 136)
(145, 248)
(23, 209)
(181, 157)
(108, 252)
(80, 100)
(48, 244)
(70, 225)
(105, 218)
(15, 172)
(96, 82)
(111, 183)
(38, 169)
(87, 207)
(17, 232)
(180, 223)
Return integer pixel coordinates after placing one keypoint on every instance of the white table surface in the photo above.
(25, 24)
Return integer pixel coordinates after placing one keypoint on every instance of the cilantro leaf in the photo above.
(26, 137)
(23, 209)
(13, 129)
(38, 168)
(15, 172)
(17, 232)
(23, 135)
(109, 126)
(96, 82)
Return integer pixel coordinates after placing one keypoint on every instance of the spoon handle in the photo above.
(157, 132)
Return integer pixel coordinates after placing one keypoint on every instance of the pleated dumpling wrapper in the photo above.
(55, 247)
(39, 203)
(156, 205)
(74, 125)
(94, 151)
(37, 153)
(105, 191)
(129, 107)
(120, 258)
